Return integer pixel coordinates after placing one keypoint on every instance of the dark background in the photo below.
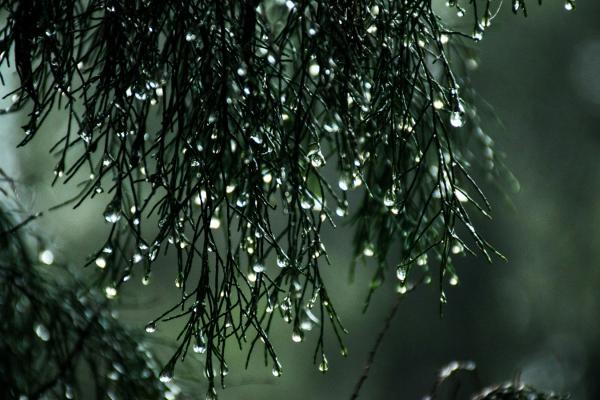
(535, 316)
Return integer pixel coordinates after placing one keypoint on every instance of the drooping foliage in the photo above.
(59, 337)
(230, 133)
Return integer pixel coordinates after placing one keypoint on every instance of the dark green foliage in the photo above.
(229, 133)
(59, 338)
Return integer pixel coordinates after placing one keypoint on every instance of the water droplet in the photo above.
(297, 336)
(389, 200)
(369, 250)
(324, 365)
(345, 181)
(570, 5)
(457, 248)
(314, 69)
(199, 348)
(112, 212)
(457, 119)
(42, 332)
(166, 376)
(241, 71)
(215, 223)
(282, 262)
(258, 267)
(46, 257)
(276, 371)
(453, 280)
(316, 156)
(211, 394)
(151, 327)
(110, 292)
(101, 262)
(401, 274)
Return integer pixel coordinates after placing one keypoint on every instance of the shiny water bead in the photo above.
(276, 371)
(282, 262)
(401, 274)
(42, 332)
(46, 257)
(151, 327)
(297, 336)
(369, 250)
(390, 199)
(101, 262)
(345, 181)
(215, 223)
(314, 69)
(258, 268)
(112, 212)
(570, 5)
(211, 394)
(316, 157)
(324, 365)
(422, 260)
(457, 248)
(199, 347)
(457, 119)
(110, 292)
(453, 280)
(166, 376)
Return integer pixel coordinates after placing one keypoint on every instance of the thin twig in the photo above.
(373, 352)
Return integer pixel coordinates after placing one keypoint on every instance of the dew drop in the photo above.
(389, 200)
(166, 376)
(110, 292)
(401, 274)
(282, 262)
(457, 119)
(46, 257)
(369, 250)
(151, 327)
(112, 212)
(324, 365)
(297, 336)
(258, 268)
(276, 371)
(101, 262)
(199, 348)
(314, 69)
(215, 223)
(211, 394)
(42, 332)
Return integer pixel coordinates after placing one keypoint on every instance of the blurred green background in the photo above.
(535, 317)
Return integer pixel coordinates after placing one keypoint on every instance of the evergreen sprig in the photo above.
(60, 338)
(230, 133)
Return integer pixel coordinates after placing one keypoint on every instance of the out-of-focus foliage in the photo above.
(59, 338)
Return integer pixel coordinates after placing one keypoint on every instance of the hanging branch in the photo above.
(229, 133)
